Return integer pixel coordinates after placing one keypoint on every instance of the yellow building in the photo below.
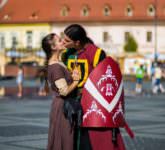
(22, 26)
(108, 23)
(23, 37)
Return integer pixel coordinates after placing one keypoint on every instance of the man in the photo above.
(139, 79)
(82, 51)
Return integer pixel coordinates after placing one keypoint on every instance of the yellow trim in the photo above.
(70, 61)
(97, 56)
(64, 51)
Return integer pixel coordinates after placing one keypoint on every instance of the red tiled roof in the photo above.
(30, 11)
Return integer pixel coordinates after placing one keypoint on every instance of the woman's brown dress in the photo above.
(60, 136)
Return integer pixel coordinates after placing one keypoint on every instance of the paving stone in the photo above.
(24, 122)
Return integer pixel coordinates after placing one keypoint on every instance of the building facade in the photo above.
(107, 22)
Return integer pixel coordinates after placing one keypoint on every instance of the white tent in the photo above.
(15, 54)
(41, 54)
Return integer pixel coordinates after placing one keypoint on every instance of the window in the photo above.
(85, 11)
(34, 16)
(151, 10)
(106, 10)
(129, 11)
(105, 36)
(2, 41)
(29, 35)
(6, 17)
(149, 36)
(65, 11)
(14, 42)
(126, 36)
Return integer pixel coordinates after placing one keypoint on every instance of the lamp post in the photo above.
(155, 27)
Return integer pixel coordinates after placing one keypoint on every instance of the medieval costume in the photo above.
(60, 136)
(100, 138)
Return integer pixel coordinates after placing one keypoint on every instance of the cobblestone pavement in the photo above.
(24, 122)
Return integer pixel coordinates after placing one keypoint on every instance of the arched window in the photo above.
(6, 17)
(85, 10)
(2, 41)
(34, 16)
(29, 39)
(129, 10)
(107, 10)
(105, 36)
(151, 10)
(14, 40)
(65, 11)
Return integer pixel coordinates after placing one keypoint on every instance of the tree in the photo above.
(131, 44)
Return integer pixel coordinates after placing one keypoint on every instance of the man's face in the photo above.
(68, 43)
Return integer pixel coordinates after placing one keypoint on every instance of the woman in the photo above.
(42, 76)
(88, 56)
(60, 136)
(19, 81)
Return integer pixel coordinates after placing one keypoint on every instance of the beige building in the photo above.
(108, 23)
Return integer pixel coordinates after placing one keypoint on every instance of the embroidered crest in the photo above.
(108, 88)
(94, 109)
(118, 111)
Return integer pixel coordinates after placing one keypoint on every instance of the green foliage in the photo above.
(131, 44)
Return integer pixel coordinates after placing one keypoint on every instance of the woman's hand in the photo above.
(76, 74)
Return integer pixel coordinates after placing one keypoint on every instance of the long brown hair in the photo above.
(46, 46)
(76, 32)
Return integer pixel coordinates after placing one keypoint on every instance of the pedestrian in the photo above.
(42, 77)
(158, 76)
(62, 82)
(152, 74)
(81, 49)
(19, 81)
(136, 66)
(139, 79)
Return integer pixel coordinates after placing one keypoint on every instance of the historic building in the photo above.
(108, 22)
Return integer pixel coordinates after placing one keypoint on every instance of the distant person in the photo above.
(157, 77)
(42, 77)
(152, 73)
(19, 81)
(139, 79)
(135, 67)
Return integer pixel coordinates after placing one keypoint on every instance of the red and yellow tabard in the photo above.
(86, 59)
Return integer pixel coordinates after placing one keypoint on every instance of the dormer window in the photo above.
(129, 11)
(106, 10)
(85, 11)
(34, 15)
(65, 11)
(6, 17)
(151, 10)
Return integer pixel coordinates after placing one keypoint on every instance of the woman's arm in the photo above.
(64, 88)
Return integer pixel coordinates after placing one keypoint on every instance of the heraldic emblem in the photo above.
(103, 96)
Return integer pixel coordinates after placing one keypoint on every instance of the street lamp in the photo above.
(155, 25)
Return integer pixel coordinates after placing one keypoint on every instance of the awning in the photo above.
(15, 54)
(152, 56)
(40, 54)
